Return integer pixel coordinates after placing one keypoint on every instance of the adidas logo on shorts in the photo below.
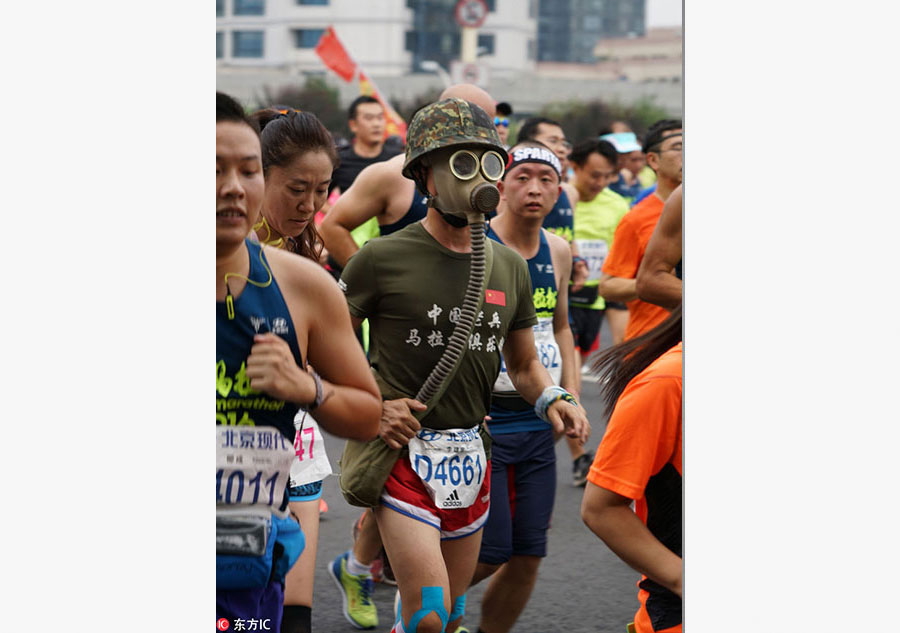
(453, 500)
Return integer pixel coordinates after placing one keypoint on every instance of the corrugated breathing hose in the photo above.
(458, 341)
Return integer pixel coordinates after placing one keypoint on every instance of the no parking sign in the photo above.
(471, 13)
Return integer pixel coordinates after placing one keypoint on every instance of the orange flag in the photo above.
(394, 123)
(335, 56)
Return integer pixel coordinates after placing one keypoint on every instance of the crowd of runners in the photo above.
(438, 304)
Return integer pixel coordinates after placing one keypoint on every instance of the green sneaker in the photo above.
(463, 629)
(356, 592)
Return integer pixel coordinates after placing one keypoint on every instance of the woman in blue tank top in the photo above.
(274, 312)
(298, 158)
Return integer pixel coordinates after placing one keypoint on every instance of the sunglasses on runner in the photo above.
(501, 121)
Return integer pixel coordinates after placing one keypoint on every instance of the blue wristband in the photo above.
(548, 397)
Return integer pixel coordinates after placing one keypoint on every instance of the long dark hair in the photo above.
(286, 134)
(618, 365)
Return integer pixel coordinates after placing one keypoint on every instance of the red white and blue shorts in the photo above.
(405, 493)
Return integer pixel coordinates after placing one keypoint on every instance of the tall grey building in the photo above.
(568, 30)
(434, 34)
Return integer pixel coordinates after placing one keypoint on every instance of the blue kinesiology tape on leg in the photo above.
(459, 608)
(432, 601)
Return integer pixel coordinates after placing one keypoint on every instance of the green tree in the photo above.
(314, 96)
(581, 120)
(408, 108)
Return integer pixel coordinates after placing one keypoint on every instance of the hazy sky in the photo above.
(663, 13)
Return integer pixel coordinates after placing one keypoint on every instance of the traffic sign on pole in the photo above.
(471, 13)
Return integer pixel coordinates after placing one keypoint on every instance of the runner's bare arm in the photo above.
(609, 516)
(617, 288)
(398, 425)
(527, 374)
(580, 267)
(562, 264)
(352, 405)
(366, 198)
(530, 379)
(656, 281)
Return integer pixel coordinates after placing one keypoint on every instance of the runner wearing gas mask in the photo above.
(442, 303)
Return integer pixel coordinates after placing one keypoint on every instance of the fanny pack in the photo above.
(256, 539)
(253, 547)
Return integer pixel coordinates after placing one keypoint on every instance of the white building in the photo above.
(270, 44)
(381, 35)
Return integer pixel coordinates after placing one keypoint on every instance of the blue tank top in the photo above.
(416, 212)
(561, 219)
(256, 311)
(511, 413)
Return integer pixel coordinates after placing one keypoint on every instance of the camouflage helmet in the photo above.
(448, 123)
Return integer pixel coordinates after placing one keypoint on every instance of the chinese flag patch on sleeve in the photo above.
(497, 297)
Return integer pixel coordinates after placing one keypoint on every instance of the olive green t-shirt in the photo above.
(411, 289)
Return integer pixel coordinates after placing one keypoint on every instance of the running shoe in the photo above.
(323, 507)
(463, 629)
(356, 592)
(581, 466)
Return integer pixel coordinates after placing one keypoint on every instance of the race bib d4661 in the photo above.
(451, 464)
(253, 465)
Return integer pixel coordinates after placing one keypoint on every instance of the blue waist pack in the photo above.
(254, 546)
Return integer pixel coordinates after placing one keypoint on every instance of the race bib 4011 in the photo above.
(451, 464)
(253, 465)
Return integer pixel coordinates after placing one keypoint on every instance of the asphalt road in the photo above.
(582, 586)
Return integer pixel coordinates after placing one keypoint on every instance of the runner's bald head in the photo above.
(473, 93)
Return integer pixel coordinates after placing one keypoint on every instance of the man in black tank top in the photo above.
(366, 121)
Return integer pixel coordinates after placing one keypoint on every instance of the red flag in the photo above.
(497, 297)
(394, 123)
(335, 56)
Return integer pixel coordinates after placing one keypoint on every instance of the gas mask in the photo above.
(465, 180)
